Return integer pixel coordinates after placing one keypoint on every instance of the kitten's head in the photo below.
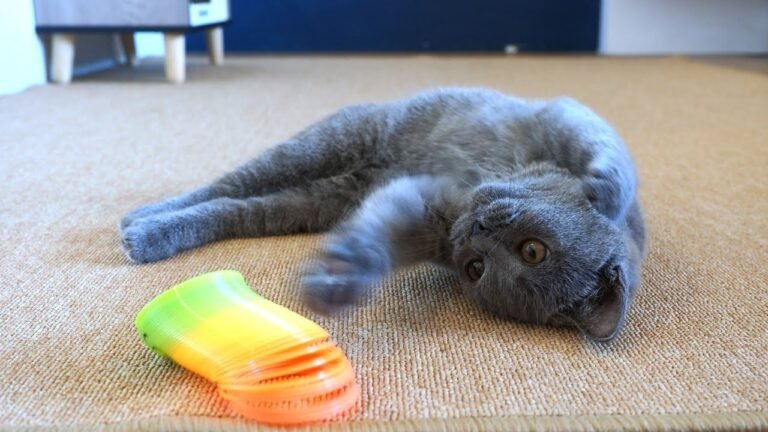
(534, 249)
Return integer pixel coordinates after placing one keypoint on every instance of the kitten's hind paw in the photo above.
(127, 220)
(142, 212)
(147, 240)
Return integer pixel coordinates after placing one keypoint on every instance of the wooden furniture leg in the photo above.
(129, 47)
(62, 57)
(215, 37)
(175, 70)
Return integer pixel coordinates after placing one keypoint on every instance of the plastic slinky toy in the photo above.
(271, 364)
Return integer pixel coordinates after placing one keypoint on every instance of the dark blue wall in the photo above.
(409, 26)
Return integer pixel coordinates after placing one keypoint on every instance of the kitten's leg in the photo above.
(585, 144)
(343, 142)
(403, 223)
(170, 204)
(313, 208)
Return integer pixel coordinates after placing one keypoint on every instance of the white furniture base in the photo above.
(63, 53)
(64, 18)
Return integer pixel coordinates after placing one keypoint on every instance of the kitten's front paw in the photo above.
(340, 278)
(607, 196)
(148, 240)
(611, 190)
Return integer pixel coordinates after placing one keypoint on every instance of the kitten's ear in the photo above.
(602, 316)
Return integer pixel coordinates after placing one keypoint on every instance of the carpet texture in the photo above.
(694, 353)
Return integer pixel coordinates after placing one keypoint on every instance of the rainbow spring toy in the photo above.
(271, 364)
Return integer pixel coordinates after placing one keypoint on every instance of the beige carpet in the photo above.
(74, 159)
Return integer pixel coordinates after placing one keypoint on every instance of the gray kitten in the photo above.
(532, 204)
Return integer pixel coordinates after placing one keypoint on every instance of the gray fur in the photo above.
(451, 176)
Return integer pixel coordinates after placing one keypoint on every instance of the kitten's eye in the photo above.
(475, 269)
(533, 251)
